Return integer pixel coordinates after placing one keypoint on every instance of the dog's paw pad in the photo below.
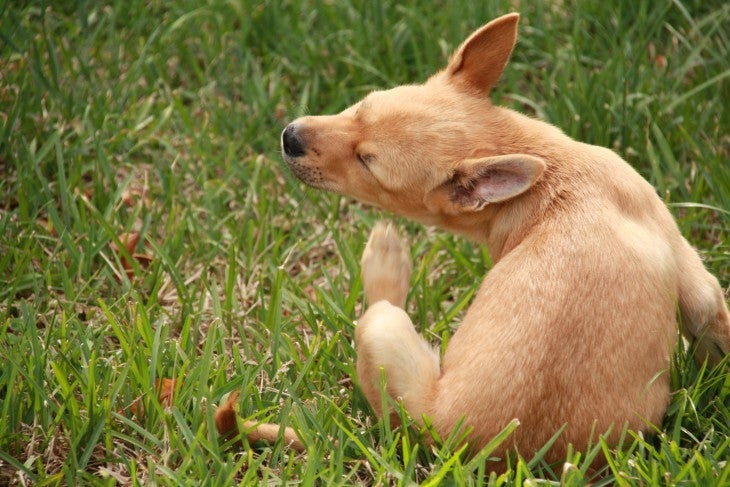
(386, 266)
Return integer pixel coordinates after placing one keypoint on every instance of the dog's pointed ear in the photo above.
(477, 183)
(478, 63)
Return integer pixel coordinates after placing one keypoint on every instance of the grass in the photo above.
(162, 118)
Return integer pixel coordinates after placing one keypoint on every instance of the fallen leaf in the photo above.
(130, 241)
(227, 426)
(165, 393)
(225, 418)
(130, 196)
(144, 260)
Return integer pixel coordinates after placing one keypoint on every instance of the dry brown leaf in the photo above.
(131, 196)
(130, 241)
(165, 392)
(225, 417)
(227, 426)
(144, 260)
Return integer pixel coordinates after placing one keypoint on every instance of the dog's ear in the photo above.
(479, 182)
(478, 63)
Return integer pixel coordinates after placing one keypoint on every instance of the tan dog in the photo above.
(576, 322)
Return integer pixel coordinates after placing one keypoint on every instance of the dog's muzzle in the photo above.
(290, 143)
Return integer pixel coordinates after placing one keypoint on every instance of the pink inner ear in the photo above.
(498, 185)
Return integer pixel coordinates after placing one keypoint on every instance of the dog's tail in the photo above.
(227, 425)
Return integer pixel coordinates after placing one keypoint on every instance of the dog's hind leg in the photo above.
(705, 316)
(385, 338)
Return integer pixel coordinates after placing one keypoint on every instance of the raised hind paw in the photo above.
(386, 266)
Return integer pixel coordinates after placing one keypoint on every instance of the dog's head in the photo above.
(420, 150)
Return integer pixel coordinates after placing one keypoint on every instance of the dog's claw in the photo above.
(386, 266)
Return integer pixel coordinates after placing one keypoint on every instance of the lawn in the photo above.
(156, 256)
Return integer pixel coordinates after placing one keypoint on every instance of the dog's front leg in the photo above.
(385, 338)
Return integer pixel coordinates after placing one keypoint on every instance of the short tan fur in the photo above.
(576, 322)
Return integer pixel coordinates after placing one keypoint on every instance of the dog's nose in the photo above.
(291, 143)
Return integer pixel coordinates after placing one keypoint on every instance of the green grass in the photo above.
(163, 118)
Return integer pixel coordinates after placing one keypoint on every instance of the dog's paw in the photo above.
(386, 266)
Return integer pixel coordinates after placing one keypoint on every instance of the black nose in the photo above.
(292, 144)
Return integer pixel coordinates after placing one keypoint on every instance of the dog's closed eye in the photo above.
(365, 158)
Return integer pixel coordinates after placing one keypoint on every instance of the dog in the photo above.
(575, 324)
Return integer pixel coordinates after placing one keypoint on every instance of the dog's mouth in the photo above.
(294, 154)
(310, 176)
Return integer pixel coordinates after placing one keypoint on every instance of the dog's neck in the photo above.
(503, 226)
